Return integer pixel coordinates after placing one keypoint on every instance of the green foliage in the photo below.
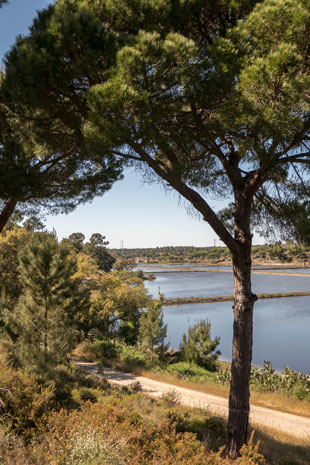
(125, 264)
(185, 370)
(76, 240)
(46, 317)
(285, 253)
(267, 380)
(87, 395)
(198, 347)
(152, 330)
(104, 348)
(33, 224)
(223, 376)
(117, 306)
(106, 351)
(11, 243)
(96, 248)
(37, 167)
(134, 357)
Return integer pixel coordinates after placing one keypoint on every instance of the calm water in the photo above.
(211, 283)
(281, 329)
(281, 326)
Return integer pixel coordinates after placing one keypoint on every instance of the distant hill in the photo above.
(279, 253)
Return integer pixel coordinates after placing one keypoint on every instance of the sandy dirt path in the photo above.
(291, 424)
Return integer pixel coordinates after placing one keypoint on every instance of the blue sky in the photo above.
(139, 214)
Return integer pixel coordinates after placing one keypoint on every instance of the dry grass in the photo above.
(272, 400)
(281, 402)
(282, 449)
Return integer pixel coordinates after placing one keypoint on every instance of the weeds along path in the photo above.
(290, 424)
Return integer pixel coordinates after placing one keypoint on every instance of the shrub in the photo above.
(171, 398)
(104, 348)
(136, 386)
(223, 376)
(87, 395)
(266, 380)
(24, 401)
(189, 370)
(102, 434)
(198, 347)
(134, 356)
(13, 450)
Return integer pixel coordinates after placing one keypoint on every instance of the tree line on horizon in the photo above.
(210, 99)
(284, 253)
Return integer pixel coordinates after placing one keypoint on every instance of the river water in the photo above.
(281, 326)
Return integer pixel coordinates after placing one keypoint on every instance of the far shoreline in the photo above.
(255, 265)
(201, 300)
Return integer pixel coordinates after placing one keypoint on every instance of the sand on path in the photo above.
(260, 416)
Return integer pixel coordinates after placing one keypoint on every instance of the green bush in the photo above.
(87, 395)
(104, 348)
(132, 355)
(190, 370)
(267, 380)
(107, 350)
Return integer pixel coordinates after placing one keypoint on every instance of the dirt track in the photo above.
(291, 424)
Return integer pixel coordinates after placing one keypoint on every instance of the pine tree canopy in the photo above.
(198, 347)
(152, 330)
(173, 86)
(38, 174)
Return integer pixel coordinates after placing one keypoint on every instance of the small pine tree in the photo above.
(46, 316)
(198, 347)
(152, 330)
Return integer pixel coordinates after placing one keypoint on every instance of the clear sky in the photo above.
(139, 214)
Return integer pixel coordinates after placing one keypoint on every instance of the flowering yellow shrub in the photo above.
(101, 434)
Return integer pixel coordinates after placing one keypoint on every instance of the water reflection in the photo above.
(281, 329)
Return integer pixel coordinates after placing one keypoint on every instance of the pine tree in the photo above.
(152, 330)
(198, 347)
(46, 316)
(96, 248)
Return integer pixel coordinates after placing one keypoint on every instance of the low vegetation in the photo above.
(280, 253)
(57, 297)
(104, 425)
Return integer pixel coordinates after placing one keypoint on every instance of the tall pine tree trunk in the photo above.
(239, 397)
(6, 213)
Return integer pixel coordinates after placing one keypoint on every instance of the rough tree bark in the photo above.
(239, 397)
(6, 213)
